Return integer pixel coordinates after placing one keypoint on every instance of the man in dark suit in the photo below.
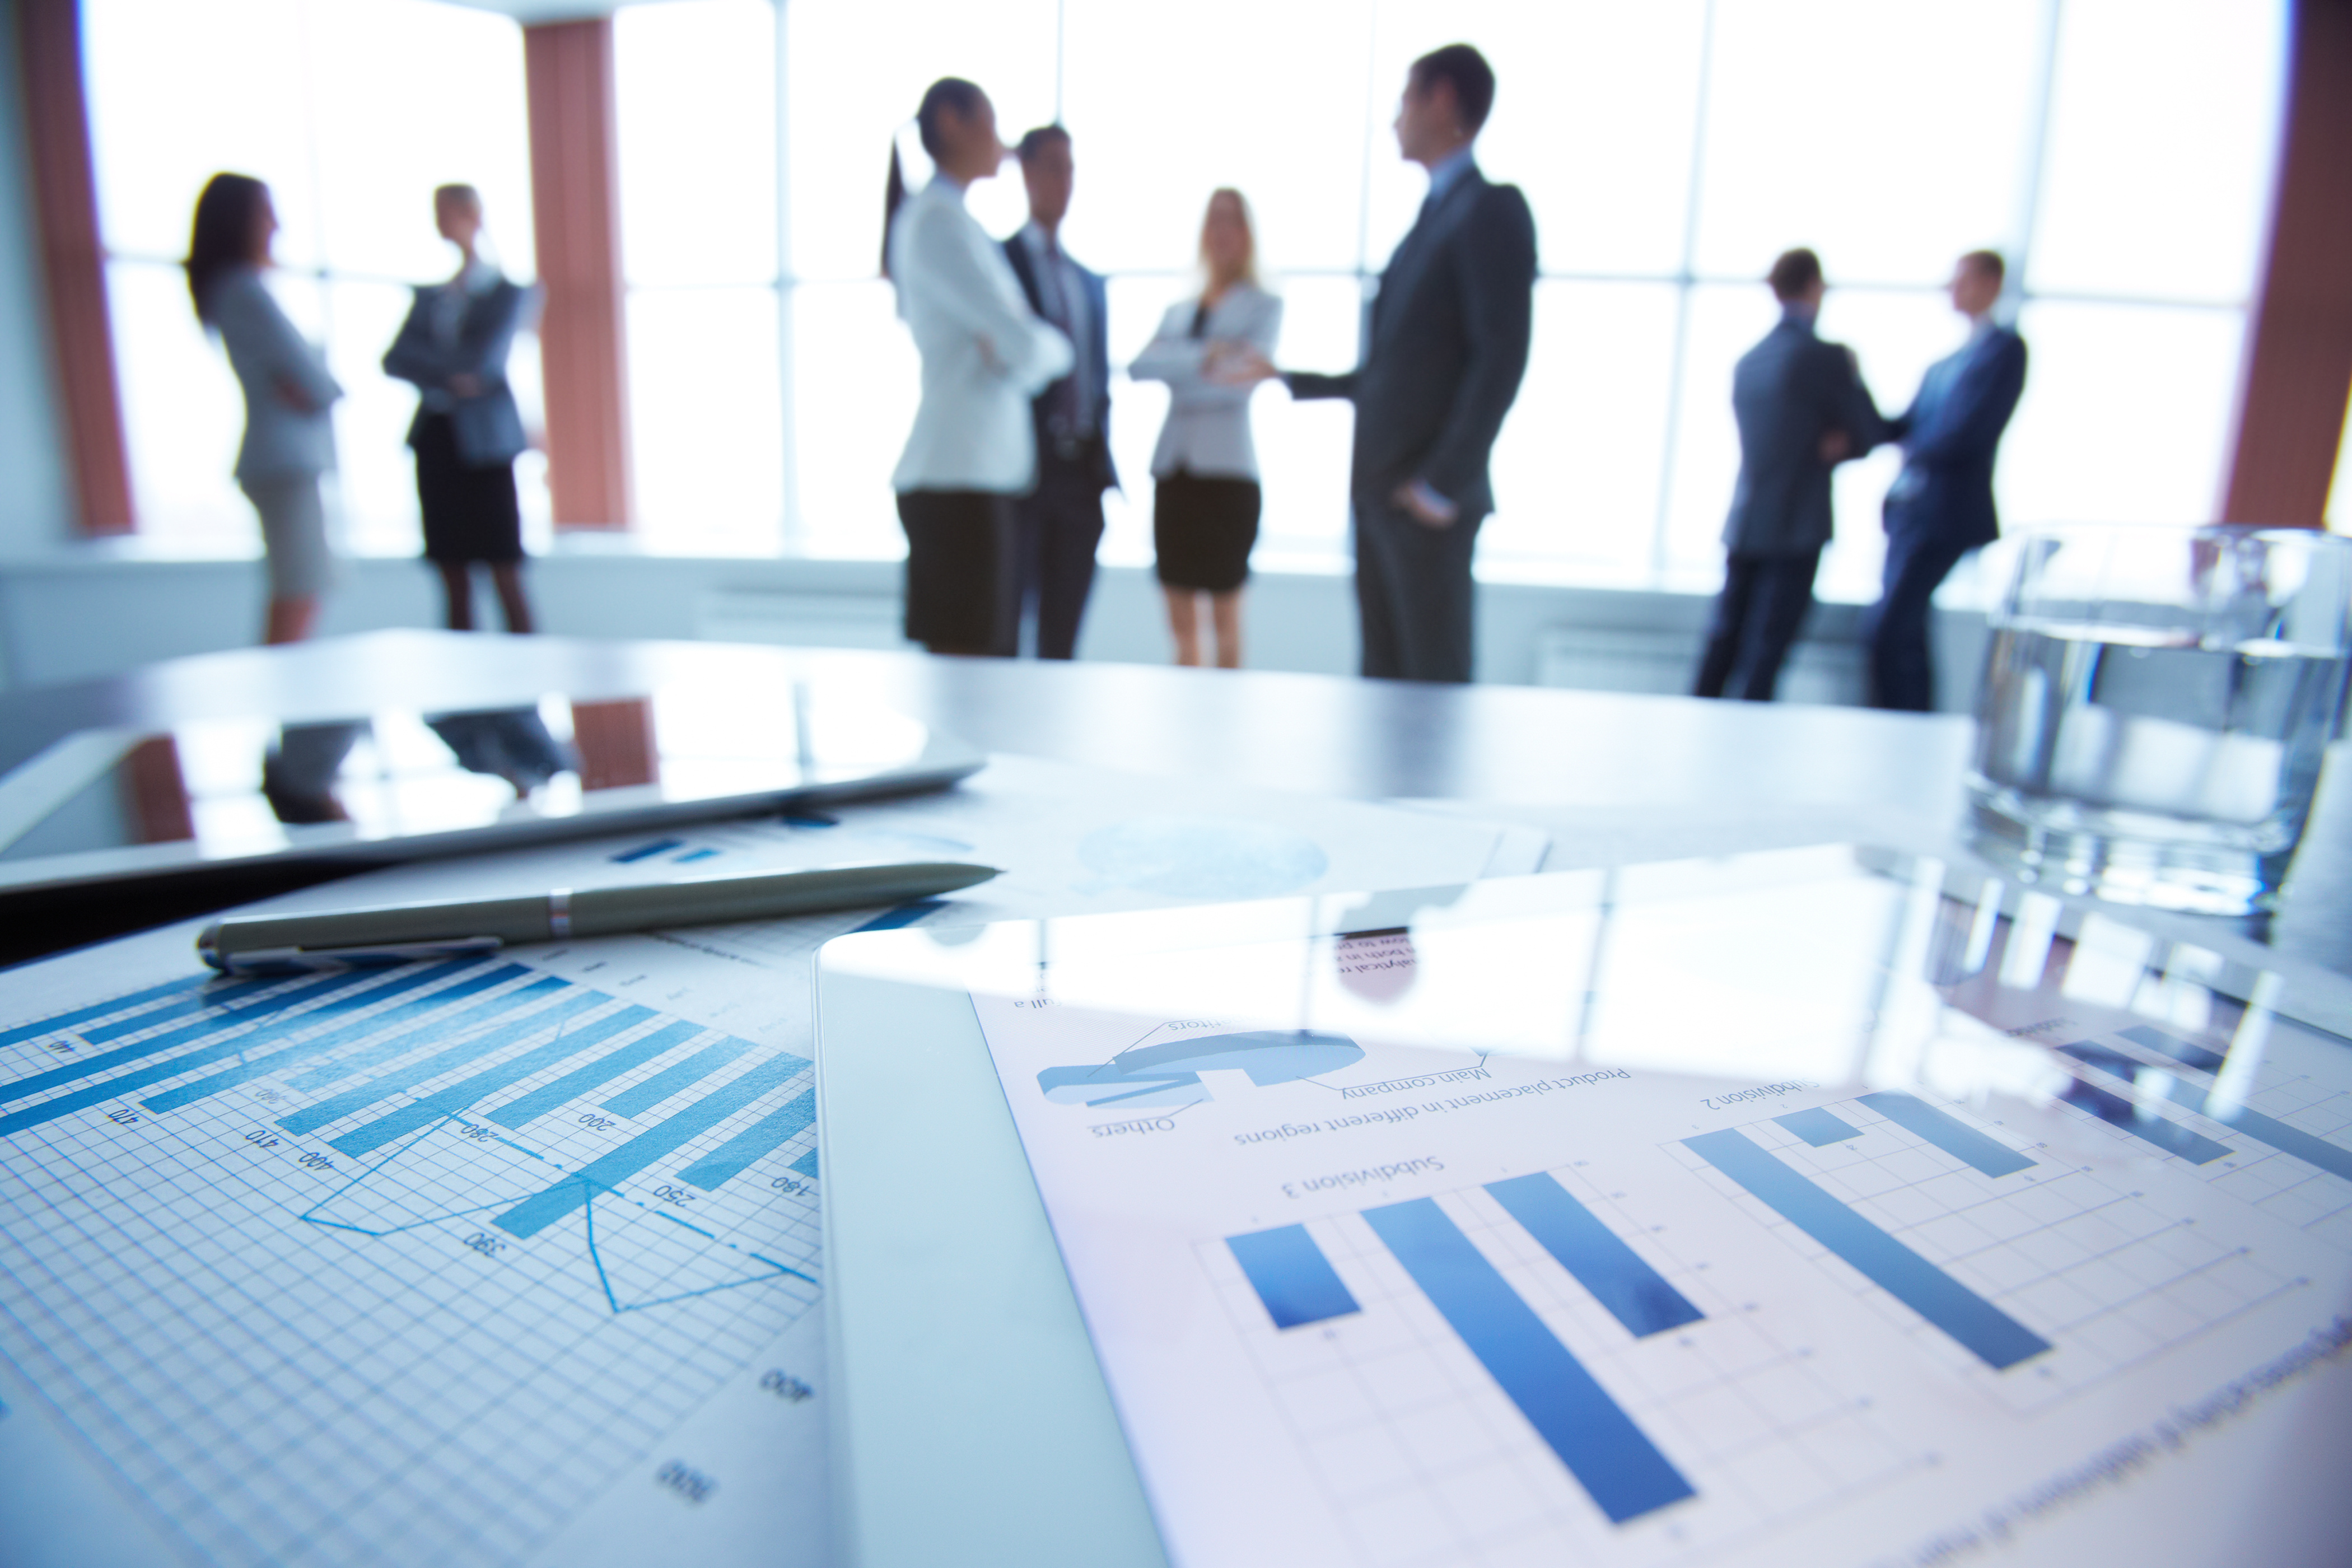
(1443, 359)
(1061, 521)
(1941, 506)
(1802, 410)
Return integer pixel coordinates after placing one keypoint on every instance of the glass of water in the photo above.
(2154, 709)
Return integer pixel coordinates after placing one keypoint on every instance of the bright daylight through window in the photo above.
(2119, 150)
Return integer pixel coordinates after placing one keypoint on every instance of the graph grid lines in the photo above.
(296, 1353)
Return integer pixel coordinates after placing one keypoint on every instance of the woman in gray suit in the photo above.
(468, 432)
(289, 440)
(1206, 500)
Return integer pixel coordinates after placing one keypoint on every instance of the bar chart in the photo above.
(1515, 1361)
(2035, 1276)
(360, 1214)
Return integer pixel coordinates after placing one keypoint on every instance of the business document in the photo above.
(513, 1259)
(1694, 1251)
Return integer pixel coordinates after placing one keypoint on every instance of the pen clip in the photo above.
(288, 960)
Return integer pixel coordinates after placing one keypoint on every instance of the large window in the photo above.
(2118, 150)
(351, 112)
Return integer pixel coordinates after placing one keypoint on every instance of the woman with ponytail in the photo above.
(985, 356)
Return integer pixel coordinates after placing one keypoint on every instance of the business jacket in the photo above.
(1093, 353)
(985, 352)
(486, 426)
(1208, 427)
(269, 355)
(1446, 349)
(1949, 435)
(1787, 393)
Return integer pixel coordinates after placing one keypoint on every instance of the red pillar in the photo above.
(2298, 365)
(575, 187)
(73, 261)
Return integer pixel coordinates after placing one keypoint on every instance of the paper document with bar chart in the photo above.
(1947, 1282)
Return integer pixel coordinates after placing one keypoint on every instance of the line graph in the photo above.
(346, 1225)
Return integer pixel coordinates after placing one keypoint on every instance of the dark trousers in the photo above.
(960, 571)
(1757, 617)
(1061, 525)
(1414, 594)
(1895, 628)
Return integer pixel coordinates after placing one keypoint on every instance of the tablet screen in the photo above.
(225, 789)
(1794, 1207)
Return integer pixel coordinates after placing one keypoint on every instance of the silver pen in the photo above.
(395, 934)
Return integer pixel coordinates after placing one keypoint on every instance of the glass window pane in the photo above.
(408, 96)
(2163, 129)
(1722, 324)
(1889, 138)
(180, 92)
(1578, 465)
(182, 412)
(857, 72)
(854, 385)
(2125, 417)
(1303, 448)
(1162, 114)
(705, 415)
(378, 477)
(1593, 118)
(696, 86)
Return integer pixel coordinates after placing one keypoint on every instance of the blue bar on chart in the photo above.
(646, 1093)
(213, 999)
(1611, 1457)
(2333, 1158)
(1997, 1338)
(547, 1097)
(904, 915)
(369, 1091)
(2120, 1111)
(1949, 1134)
(2182, 1051)
(107, 1061)
(727, 1162)
(806, 1164)
(423, 1006)
(1818, 1127)
(424, 1111)
(541, 1209)
(648, 851)
(235, 1044)
(1635, 1294)
(20, 1033)
(1294, 1281)
(334, 1040)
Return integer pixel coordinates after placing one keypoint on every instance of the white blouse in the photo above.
(985, 353)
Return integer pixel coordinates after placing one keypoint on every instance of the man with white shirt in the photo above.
(1062, 519)
(1940, 507)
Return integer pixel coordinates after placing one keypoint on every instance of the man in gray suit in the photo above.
(1443, 361)
(1802, 410)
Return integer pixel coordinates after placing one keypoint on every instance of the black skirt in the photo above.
(1204, 529)
(470, 514)
(961, 582)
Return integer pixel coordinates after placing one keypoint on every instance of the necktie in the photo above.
(1064, 409)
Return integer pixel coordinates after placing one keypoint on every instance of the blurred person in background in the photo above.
(289, 439)
(1206, 500)
(1941, 507)
(1442, 366)
(467, 431)
(973, 450)
(1802, 410)
(1061, 521)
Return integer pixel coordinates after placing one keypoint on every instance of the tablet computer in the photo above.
(1823, 1204)
(221, 796)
